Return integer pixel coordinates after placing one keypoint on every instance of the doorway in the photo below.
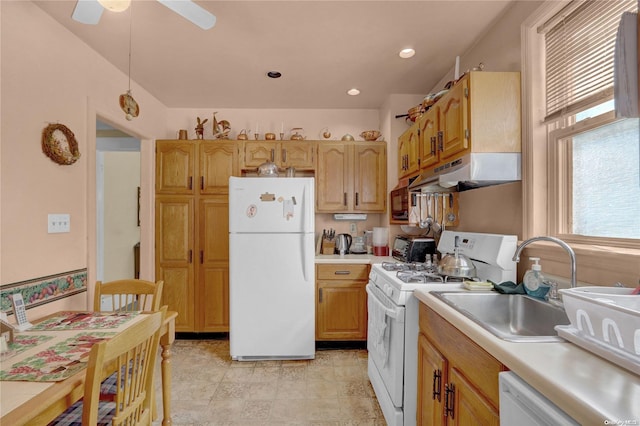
(117, 204)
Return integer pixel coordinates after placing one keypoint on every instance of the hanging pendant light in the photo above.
(127, 103)
(115, 5)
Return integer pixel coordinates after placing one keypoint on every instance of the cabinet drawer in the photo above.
(351, 272)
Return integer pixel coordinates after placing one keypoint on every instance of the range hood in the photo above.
(470, 171)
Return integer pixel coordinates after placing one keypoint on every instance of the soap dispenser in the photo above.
(534, 280)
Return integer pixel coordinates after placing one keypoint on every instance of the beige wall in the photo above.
(49, 76)
(121, 230)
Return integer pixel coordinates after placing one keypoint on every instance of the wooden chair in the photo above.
(129, 295)
(132, 355)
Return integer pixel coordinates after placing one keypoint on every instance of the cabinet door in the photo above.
(256, 153)
(432, 375)
(213, 272)
(408, 157)
(341, 309)
(453, 113)
(175, 166)
(429, 138)
(370, 178)
(333, 177)
(218, 161)
(469, 407)
(297, 154)
(174, 257)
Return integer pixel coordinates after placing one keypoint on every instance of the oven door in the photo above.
(385, 341)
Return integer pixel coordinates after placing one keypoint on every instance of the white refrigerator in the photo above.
(271, 268)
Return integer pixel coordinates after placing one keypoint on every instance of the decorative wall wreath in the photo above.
(59, 143)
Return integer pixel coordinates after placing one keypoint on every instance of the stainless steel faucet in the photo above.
(572, 255)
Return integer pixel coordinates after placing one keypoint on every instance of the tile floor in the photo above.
(211, 389)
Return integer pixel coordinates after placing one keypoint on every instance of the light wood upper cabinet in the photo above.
(480, 113)
(341, 301)
(453, 123)
(428, 138)
(409, 152)
(370, 174)
(299, 155)
(175, 167)
(455, 375)
(351, 177)
(218, 161)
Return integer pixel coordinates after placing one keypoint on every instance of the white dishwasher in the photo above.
(522, 405)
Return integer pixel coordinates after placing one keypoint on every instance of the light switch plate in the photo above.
(58, 223)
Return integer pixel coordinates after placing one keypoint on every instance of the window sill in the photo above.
(595, 265)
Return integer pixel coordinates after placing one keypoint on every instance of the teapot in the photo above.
(343, 243)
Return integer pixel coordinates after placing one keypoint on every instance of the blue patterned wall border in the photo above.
(43, 290)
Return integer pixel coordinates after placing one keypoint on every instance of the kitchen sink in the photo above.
(511, 317)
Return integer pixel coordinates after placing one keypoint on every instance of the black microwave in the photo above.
(401, 201)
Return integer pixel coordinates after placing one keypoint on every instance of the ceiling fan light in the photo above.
(115, 5)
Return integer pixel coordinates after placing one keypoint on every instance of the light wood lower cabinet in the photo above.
(457, 379)
(341, 301)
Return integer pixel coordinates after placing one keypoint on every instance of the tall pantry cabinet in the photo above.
(192, 230)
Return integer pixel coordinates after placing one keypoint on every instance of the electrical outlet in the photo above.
(353, 228)
(58, 223)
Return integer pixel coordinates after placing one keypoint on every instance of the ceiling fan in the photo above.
(90, 11)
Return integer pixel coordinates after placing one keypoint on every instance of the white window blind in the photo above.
(580, 42)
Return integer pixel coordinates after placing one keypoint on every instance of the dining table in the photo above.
(43, 372)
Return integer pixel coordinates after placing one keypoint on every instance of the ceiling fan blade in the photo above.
(192, 12)
(87, 11)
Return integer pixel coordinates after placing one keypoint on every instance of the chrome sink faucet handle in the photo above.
(569, 250)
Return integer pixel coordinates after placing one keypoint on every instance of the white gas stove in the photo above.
(392, 339)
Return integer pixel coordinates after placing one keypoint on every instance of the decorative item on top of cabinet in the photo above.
(457, 380)
(341, 301)
(192, 230)
(351, 177)
(200, 128)
(221, 128)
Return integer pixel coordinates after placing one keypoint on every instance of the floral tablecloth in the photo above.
(84, 321)
(56, 362)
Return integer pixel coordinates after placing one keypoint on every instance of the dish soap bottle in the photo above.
(534, 280)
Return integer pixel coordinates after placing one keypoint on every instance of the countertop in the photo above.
(353, 258)
(590, 389)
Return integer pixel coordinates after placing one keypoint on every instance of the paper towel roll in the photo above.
(380, 236)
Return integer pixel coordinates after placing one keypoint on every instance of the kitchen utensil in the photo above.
(343, 243)
(436, 213)
(456, 264)
(422, 199)
(444, 212)
(451, 217)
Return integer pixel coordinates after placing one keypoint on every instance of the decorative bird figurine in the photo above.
(221, 128)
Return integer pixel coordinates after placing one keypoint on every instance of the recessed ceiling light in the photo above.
(353, 92)
(407, 53)
(274, 74)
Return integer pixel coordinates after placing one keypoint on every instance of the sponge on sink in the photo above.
(478, 285)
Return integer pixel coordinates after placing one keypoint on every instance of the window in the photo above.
(593, 164)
